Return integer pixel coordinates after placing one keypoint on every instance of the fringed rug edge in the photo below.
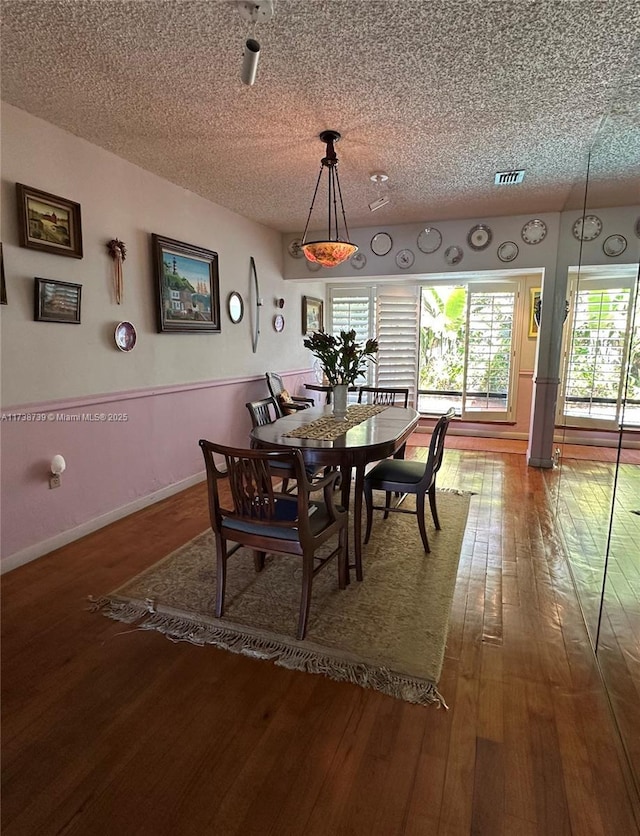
(294, 655)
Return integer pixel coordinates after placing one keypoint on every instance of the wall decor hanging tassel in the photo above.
(118, 253)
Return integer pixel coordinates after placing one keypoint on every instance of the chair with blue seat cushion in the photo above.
(403, 477)
(270, 522)
(265, 411)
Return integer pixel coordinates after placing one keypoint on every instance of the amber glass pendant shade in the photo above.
(328, 253)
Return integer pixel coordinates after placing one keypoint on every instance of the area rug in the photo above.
(387, 632)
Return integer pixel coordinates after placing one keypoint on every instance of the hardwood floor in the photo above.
(108, 729)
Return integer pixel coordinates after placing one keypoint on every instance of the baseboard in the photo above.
(65, 537)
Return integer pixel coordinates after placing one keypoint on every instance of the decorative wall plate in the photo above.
(637, 228)
(534, 231)
(429, 240)
(278, 322)
(508, 251)
(358, 260)
(479, 237)
(453, 255)
(381, 243)
(125, 336)
(614, 245)
(587, 228)
(294, 248)
(313, 266)
(404, 259)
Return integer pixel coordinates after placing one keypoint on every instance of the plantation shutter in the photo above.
(489, 383)
(352, 309)
(596, 350)
(398, 319)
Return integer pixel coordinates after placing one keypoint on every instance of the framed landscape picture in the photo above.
(312, 314)
(187, 285)
(48, 223)
(534, 305)
(57, 301)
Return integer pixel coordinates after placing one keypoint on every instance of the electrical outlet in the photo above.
(54, 480)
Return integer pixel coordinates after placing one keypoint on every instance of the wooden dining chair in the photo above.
(265, 411)
(269, 522)
(286, 403)
(383, 395)
(404, 477)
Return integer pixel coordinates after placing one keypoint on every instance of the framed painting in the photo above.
(535, 303)
(3, 287)
(48, 223)
(57, 301)
(312, 314)
(188, 287)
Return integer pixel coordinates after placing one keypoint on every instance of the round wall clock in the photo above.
(404, 259)
(534, 231)
(278, 322)
(614, 245)
(479, 237)
(358, 260)
(429, 240)
(587, 228)
(294, 248)
(453, 255)
(508, 251)
(381, 243)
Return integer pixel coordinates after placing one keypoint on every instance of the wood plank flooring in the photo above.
(109, 729)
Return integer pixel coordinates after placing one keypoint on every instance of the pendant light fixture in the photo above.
(332, 250)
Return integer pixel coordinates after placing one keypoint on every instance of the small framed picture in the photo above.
(534, 310)
(312, 314)
(57, 301)
(49, 223)
(3, 287)
(188, 287)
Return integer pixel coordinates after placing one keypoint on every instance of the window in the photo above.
(597, 354)
(467, 356)
(448, 344)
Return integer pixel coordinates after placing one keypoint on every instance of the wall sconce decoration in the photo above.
(332, 250)
(58, 467)
(118, 252)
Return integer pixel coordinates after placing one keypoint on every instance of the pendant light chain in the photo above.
(332, 250)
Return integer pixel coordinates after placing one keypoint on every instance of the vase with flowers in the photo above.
(343, 360)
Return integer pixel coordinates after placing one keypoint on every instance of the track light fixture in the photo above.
(379, 178)
(258, 11)
(250, 57)
(332, 250)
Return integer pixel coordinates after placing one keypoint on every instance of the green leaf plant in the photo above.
(343, 359)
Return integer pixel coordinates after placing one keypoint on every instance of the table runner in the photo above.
(329, 428)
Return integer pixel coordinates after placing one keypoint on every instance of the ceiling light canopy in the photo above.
(334, 249)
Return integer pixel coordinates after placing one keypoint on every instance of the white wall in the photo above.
(44, 361)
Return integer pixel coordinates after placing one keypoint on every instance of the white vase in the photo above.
(340, 394)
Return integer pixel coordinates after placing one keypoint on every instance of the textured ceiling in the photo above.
(440, 95)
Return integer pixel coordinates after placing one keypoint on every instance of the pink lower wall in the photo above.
(111, 464)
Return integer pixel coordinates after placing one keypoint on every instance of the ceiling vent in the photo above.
(509, 178)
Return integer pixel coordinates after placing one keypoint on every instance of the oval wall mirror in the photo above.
(235, 307)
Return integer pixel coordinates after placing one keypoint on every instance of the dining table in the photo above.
(369, 433)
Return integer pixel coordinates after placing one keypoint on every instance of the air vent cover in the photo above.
(509, 178)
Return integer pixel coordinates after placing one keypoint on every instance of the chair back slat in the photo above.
(263, 411)
(436, 446)
(384, 396)
(251, 485)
